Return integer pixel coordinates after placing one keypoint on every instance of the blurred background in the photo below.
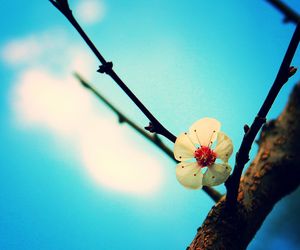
(71, 176)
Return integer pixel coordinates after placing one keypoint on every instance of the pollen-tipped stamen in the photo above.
(210, 139)
(198, 140)
(190, 140)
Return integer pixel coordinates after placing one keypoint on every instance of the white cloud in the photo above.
(34, 49)
(21, 51)
(90, 11)
(56, 103)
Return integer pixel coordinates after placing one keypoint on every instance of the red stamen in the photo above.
(205, 156)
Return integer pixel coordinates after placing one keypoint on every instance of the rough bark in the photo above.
(274, 173)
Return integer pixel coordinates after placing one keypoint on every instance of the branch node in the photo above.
(121, 119)
(261, 120)
(62, 6)
(292, 71)
(150, 128)
(84, 84)
(289, 14)
(246, 128)
(105, 68)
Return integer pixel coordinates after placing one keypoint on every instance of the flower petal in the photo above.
(189, 175)
(184, 148)
(216, 174)
(204, 131)
(224, 147)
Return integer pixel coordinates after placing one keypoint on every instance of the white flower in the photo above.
(194, 151)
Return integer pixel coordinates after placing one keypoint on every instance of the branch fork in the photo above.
(242, 156)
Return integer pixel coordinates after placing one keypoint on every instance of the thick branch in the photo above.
(242, 156)
(273, 174)
(212, 193)
(290, 14)
(107, 67)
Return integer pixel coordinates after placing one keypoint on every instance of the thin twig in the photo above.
(289, 14)
(212, 193)
(242, 156)
(107, 67)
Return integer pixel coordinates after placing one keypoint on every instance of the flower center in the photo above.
(205, 156)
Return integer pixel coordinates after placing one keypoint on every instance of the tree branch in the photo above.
(242, 156)
(290, 14)
(107, 67)
(212, 193)
(273, 174)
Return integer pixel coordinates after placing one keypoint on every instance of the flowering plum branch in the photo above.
(253, 197)
(211, 192)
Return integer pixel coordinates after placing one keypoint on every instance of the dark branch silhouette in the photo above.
(251, 198)
(289, 14)
(272, 175)
(107, 67)
(242, 156)
(211, 192)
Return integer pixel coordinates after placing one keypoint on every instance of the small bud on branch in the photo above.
(292, 71)
(246, 128)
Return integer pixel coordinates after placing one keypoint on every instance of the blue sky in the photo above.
(71, 177)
